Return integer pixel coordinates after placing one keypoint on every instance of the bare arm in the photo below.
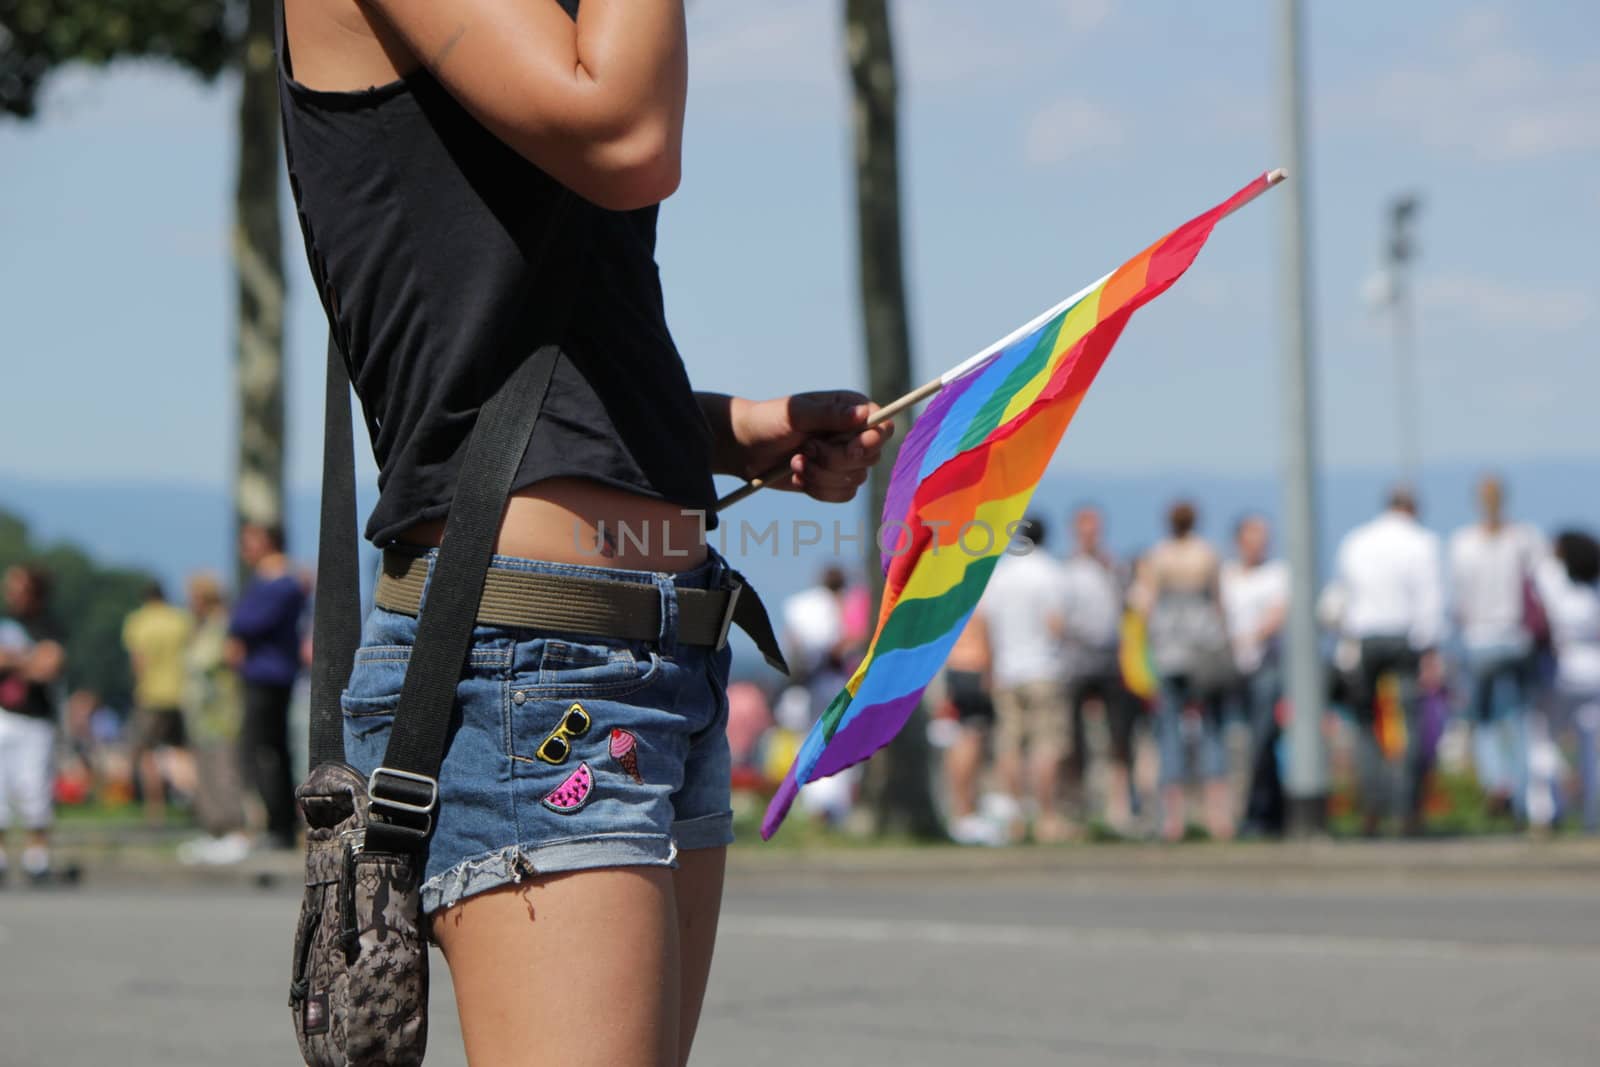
(1273, 621)
(45, 663)
(987, 652)
(597, 104)
(1214, 587)
(1142, 592)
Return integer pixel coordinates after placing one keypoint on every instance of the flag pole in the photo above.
(780, 471)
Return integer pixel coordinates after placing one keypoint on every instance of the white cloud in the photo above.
(1069, 127)
(1507, 305)
(1485, 96)
(791, 45)
(954, 44)
(1084, 16)
(1479, 27)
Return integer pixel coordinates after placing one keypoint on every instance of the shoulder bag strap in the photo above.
(336, 619)
(404, 792)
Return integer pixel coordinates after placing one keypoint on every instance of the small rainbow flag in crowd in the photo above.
(964, 476)
(1133, 657)
(1389, 718)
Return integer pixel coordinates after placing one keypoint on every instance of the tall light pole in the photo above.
(1399, 251)
(1307, 784)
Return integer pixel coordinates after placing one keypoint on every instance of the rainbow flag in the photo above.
(963, 479)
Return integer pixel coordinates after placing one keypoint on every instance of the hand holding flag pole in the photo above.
(780, 472)
(971, 463)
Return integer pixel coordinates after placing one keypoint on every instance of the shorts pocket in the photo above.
(373, 692)
(561, 693)
(568, 669)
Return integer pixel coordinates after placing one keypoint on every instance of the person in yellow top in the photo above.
(156, 635)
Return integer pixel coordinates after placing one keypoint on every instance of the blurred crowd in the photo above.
(208, 732)
(1089, 693)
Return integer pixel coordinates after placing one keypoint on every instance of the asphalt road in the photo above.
(951, 970)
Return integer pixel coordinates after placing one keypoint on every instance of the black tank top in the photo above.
(431, 244)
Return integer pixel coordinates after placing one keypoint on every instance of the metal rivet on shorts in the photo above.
(519, 697)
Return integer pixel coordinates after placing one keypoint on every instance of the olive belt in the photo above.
(595, 607)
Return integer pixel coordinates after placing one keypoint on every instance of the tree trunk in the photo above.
(258, 265)
(897, 785)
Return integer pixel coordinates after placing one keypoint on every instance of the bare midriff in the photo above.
(570, 520)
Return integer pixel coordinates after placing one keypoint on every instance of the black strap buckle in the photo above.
(402, 802)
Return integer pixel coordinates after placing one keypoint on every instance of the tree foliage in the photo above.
(37, 37)
(89, 602)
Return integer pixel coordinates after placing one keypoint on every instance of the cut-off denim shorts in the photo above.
(638, 769)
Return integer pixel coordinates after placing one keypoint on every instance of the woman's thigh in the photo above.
(576, 969)
(698, 884)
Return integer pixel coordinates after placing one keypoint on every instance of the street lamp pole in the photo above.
(1401, 251)
(1307, 780)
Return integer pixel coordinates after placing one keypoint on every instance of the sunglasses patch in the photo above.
(624, 749)
(573, 793)
(556, 747)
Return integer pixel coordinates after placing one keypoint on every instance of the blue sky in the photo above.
(1040, 150)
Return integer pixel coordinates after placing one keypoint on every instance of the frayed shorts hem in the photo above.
(515, 863)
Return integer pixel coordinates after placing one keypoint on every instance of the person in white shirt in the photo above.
(1092, 624)
(1255, 601)
(1569, 587)
(1023, 610)
(1492, 567)
(1390, 584)
(813, 635)
(817, 648)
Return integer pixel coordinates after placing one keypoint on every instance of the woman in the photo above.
(431, 147)
(1569, 588)
(967, 687)
(1177, 589)
(33, 661)
(213, 712)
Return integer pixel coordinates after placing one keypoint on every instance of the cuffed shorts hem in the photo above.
(510, 865)
(705, 831)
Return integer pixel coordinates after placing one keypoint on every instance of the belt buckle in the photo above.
(727, 614)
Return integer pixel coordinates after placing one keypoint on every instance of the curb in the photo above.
(1507, 859)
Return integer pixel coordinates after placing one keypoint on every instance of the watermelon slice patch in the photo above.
(573, 793)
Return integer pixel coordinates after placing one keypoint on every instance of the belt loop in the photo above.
(427, 579)
(668, 637)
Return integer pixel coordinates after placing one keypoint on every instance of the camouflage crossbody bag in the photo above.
(359, 992)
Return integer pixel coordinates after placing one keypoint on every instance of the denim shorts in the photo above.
(567, 752)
